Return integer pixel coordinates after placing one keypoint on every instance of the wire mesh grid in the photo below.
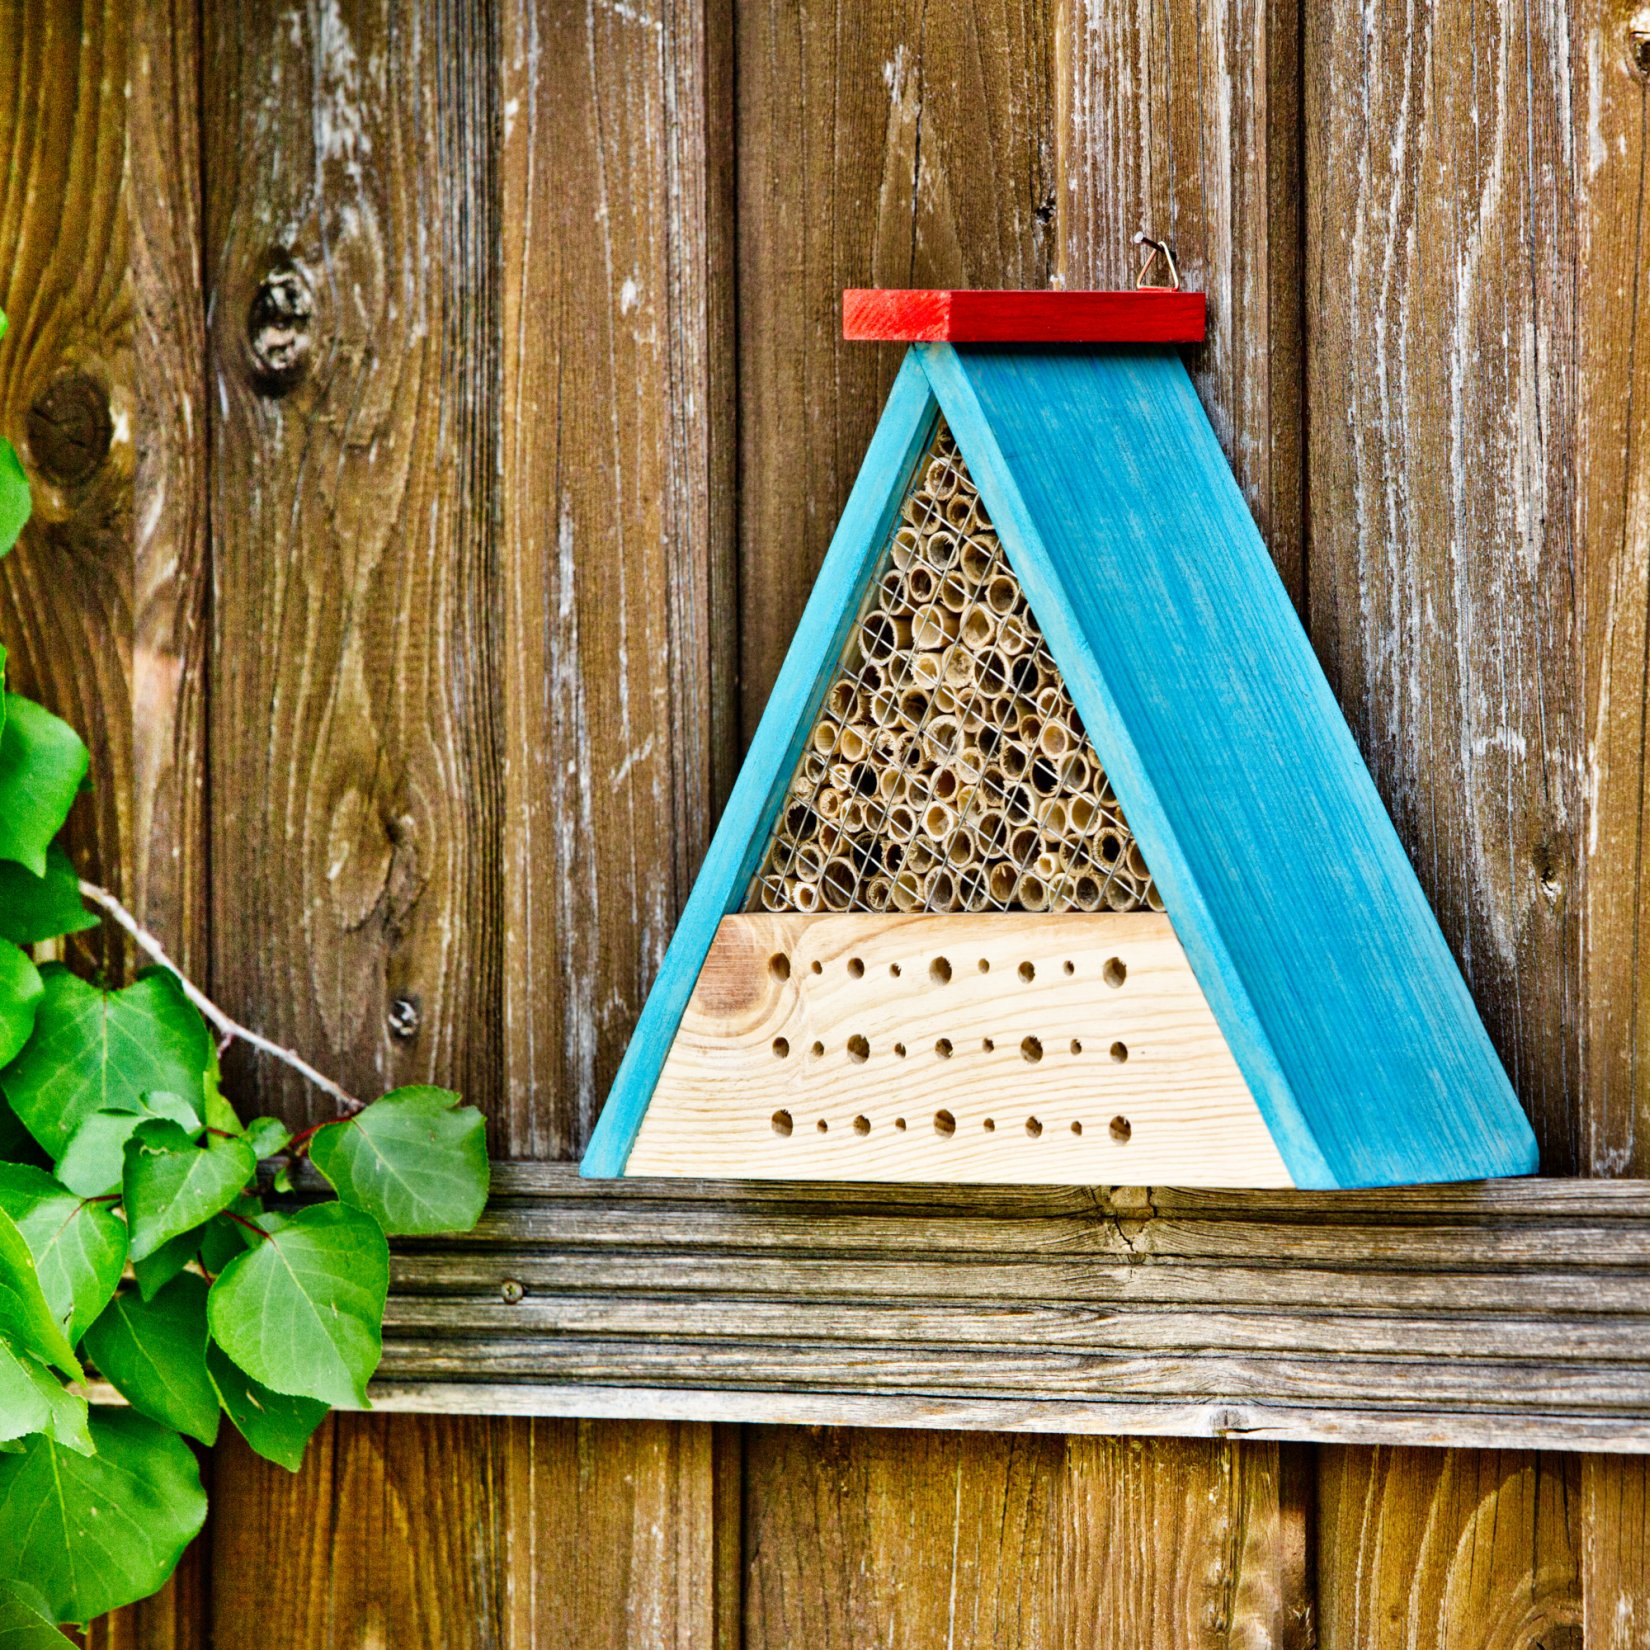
(948, 769)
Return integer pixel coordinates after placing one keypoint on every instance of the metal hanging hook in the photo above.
(1159, 249)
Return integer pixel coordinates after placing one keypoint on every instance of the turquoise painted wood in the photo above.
(906, 427)
(1277, 862)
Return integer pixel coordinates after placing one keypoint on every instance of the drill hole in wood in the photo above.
(939, 971)
(944, 1124)
(1034, 1127)
(1031, 1050)
(779, 965)
(859, 1050)
(781, 1047)
(1121, 1129)
(1119, 1052)
(782, 1122)
(1115, 972)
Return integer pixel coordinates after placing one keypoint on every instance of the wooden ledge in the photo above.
(1499, 1314)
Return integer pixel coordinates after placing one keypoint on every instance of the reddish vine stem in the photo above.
(146, 942)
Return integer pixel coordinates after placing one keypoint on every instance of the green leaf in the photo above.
(416, 1161)
(22, 1626)
(154, 1353)
(303, 1311)
(95, 1159)
(32, 1400)
(96, 1050)
(267, 1135)
(42, 763)
(173, 1185)
(15, 505)
(223, 1239)
(79, 1247)
(155, 1271)
(275, 1424)
(35, 908)
(21, 991)
(26, 1319)
(95, 1532)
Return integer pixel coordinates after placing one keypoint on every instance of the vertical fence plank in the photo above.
(619, 652)
(896, 145)
(101, 381)
(1020, 1542)
(1449, 1550)
(1611, 64)
(67, 400)
(1182, 121)
(352, 262)
(1441, 570)
(349, 194)
(616, 509)
(388, 1536)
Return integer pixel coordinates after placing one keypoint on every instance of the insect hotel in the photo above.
(1053, 859)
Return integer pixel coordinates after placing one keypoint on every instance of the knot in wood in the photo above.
(404, 1017)
(69, 428)
(278, 328)
(1638, 41)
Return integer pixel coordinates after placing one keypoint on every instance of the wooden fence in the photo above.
(436, 414)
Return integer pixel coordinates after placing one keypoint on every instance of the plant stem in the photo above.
(230, 1028)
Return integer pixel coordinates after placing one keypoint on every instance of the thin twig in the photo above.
(230, 1028)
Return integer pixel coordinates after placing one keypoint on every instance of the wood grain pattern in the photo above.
(392, 1533)
(1104, 1062)
(1449, 1550)
(1440, 260)
(351, 259)
(67, 388)
(1508, 1313)
(1018, 1542)
(904, 145)
(617, 556)
(1001, 315)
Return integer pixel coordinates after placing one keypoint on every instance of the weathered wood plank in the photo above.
(997, 1540)
(1441, 271)
(381, 1537)
(68, 402)
(1448, 1550)
(613, 1535)
(351, 264)
(1511, 1312)
(616, 501)
(1440, 256)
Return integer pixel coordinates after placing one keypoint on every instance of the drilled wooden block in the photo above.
(1056, 1048)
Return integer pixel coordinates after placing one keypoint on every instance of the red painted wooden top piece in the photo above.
(1145, 315)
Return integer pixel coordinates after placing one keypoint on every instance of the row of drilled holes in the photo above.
(945, 1125)
(1114, 973)
(859, 1049)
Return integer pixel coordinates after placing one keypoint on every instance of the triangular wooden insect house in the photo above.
(1053, 859)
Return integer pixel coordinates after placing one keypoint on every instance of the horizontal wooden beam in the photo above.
(1506, 1313)
(1143, 316)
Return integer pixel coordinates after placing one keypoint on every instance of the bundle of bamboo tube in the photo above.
(948, 769)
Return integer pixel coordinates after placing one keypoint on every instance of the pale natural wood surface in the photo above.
(885, 1073)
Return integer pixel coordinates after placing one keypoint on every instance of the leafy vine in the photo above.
(135, 1245)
